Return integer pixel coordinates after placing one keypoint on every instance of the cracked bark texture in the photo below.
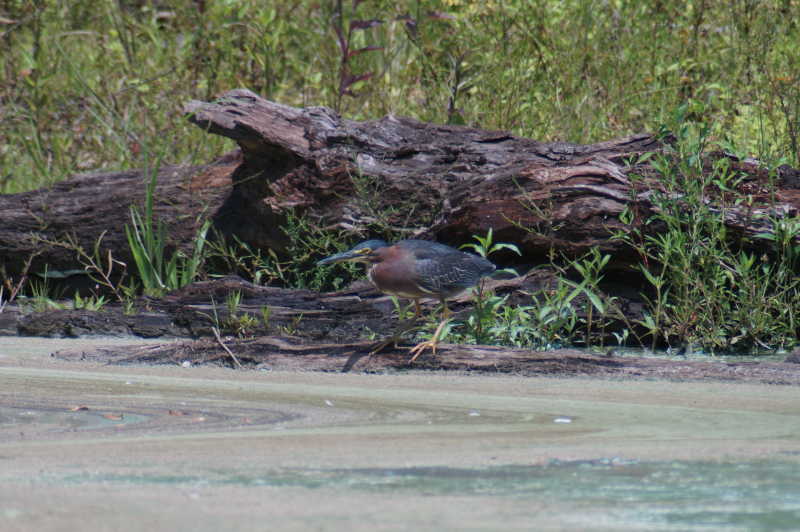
(392, 175)
(448, 182)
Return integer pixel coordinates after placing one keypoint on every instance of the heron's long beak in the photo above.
(344, 256)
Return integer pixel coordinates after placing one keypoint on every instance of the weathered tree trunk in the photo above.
(394, 175)
(445, 182)
(90, 206)
(416, 179)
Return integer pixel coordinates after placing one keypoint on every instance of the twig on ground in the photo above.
(225, 347)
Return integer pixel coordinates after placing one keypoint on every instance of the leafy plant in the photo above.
(307, 243)
(291, 328)
(266, 314)
(404, 312)
(485, 246)
(148, 241)
(486, 304)
(10, 289)
(42, 296)
(296, 266)
(102, 268)
(550, 322)
(346, 40)
(235, 321)
(590, 269)
(93, 303)
(706, 289)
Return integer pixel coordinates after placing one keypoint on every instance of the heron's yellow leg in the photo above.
(428, 344)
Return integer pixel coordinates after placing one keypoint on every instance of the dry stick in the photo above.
(225, 347)
(13, 289)
(90, 264)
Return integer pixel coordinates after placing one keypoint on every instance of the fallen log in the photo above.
(286, 353)
(413, 179)
(197, 309)
(396, 177)
(94, 207)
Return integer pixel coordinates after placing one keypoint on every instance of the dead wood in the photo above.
(358, 312)
(286, 353)
(416, 179)
(395, 176)
(327, 332)
(89, 207)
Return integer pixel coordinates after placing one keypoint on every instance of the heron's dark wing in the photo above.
(449, 273)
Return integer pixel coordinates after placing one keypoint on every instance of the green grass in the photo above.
(92, 84)
(87, 85)
(161, 269)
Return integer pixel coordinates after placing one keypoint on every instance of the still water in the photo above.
(95, 447)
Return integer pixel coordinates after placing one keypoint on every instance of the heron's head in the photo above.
(363, 252)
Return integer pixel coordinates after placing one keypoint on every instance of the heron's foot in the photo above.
(431, 344)
(418, 349)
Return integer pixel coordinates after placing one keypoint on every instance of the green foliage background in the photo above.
(99, 84)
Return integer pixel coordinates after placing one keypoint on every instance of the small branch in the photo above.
(13, 289)
(225, 347)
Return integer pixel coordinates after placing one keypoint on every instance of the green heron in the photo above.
(417, 269)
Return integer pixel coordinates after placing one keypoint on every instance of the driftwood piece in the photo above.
(287, 353)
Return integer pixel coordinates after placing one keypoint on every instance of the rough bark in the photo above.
(446, 182)
(415, 179)
(395, 176)
(87, 207)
